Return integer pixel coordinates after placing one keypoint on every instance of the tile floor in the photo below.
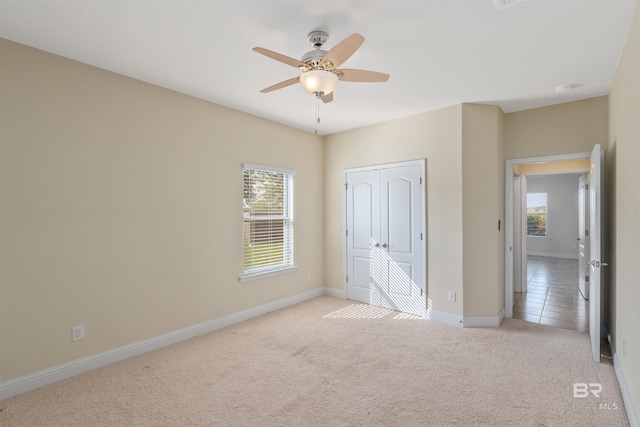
(552, 296)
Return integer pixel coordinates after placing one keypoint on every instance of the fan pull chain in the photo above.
(317, 112)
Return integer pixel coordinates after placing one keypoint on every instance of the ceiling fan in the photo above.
(320, 73)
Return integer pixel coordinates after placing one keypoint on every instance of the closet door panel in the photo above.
(363, 229)
(385, 251)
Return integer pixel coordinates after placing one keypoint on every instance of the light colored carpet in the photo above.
(330, 362)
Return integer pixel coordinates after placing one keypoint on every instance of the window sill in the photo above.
(539, 237)
(264, 274)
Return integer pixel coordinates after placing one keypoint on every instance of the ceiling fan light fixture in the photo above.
(318, 82)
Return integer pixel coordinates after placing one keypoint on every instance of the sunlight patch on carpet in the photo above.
(359, 311)
(407, 316)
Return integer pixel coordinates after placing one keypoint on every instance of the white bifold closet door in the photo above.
(385, 237)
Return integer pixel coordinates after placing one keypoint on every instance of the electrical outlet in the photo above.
(308, 277)
(77, 333)
(452, 296)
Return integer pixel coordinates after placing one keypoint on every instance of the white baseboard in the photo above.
(333, 292)
(449, 319)
(628, 404)
(45, 377)
(553, 255)
(483, 321)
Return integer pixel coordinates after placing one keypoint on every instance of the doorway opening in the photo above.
(542, 266)
(548, 290)
(515, 190)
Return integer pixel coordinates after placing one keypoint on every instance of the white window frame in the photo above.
(546, 214)
(287, 264)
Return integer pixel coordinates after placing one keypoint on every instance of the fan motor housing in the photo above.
(313, 58)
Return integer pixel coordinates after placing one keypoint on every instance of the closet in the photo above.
(386, 236)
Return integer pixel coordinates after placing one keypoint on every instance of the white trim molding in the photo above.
(626, 397)
(268, 273)
(483, 321)
(337, 293)
(45, 377)
(449, 319)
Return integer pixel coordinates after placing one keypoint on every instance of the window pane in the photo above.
(268, 220)
(537, 214)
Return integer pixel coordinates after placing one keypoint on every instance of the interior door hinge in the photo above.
(586, 233)
(420, 180)
(347, 279)
(586, 187)
(586, 278)
(347, 233)
(346, 186)
(420, 236)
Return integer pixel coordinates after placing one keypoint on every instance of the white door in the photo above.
(595, 240)
(385, 239)
(363, 229)
(583, 235)
(401, 285)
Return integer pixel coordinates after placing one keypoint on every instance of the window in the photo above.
(268, 220)
(537, 214)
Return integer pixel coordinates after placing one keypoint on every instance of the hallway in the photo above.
(552, 296)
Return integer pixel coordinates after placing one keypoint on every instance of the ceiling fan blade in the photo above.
(280, 57)
(281, 85)
(343, 50)
(363, 76)
(327, 98)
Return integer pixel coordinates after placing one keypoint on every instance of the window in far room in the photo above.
(268, 220)
(537, 210)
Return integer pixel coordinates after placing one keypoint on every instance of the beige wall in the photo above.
(624, 139)
(483, 207)
(117, 203)
(573, 127)
(463, 146)
(121, 207)
(612, 122)
(569, 128)
(435, 136)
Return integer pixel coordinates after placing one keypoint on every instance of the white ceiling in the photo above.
(438, 53)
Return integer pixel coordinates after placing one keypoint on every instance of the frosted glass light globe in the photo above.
(318, 81)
